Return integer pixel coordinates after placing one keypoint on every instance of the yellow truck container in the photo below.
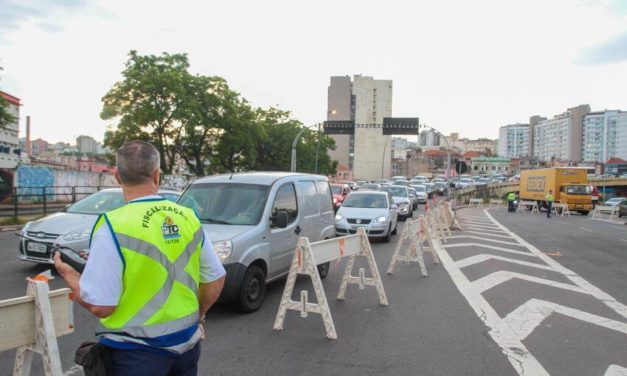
(569, 185)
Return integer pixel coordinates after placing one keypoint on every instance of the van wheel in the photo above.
(323, 269)
(584, 212)
(253, 290)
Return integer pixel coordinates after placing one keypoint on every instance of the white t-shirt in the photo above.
(101, 281)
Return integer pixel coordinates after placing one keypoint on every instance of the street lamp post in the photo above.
(383, 160)
(293, 161)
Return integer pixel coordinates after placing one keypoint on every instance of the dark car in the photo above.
(441, 188)
(622, 209)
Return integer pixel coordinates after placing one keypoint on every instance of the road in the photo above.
(542, 306)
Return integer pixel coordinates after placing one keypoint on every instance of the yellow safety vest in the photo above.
(511, 196)
(159, 243)
(550, 198)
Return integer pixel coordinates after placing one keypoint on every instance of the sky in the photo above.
(460, 66)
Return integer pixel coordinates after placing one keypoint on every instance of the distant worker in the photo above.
(511, 197)
(549, 203)
(151, 276)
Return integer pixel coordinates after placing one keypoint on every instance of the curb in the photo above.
(10, 228)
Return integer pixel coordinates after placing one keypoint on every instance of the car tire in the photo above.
(389, 234)
(584, 212)
(253, 290)
(323, 269)
(395, 229)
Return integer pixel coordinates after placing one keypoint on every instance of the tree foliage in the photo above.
(202, 122)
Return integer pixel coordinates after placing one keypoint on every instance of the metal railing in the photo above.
(27, 201)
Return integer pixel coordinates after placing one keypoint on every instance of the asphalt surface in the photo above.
(429, 327)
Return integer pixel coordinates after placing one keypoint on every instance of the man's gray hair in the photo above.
(136, 162)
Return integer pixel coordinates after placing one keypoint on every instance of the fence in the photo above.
(26, 201)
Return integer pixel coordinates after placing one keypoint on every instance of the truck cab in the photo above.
(578, 197)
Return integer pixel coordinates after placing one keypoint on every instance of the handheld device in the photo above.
(72, 258)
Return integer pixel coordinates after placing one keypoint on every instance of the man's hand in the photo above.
(63, 269)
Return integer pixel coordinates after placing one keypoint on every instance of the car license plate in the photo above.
(37, 247)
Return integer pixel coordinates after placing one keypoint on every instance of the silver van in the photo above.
(254, 221)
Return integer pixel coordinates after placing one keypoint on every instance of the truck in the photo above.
(569, 185)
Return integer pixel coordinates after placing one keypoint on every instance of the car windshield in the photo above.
(169, 196)
(224, 203)
(370, 186)
(466, 180)
(336, 189)
(396, 191)
(366, 201)
(98, 203)
(578, 190)
(420, 188)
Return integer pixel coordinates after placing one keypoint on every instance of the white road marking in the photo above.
(480, 238)
(524, 319)
(585, 229)
(484, 228)
(615, 370)
(623, 240)
(520, 358)
(489, 281)
(487, 234)
(476, 259)
(502, 249)
(606, 298)
(75, 370)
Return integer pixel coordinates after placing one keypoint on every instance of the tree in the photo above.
(6, 118)
(148, 103)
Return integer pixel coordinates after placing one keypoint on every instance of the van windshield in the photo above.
(578, 189)
(227, 204)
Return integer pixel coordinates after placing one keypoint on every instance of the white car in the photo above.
(400, 194)
(615, 201)
(464, 183)
(421, 193)
(374, 211)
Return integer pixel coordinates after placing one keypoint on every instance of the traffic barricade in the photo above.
(561, 208)
(477, 202)
(306, 258)
(532, 205)
(32, 324)
(496, 203)
(418, 233)
(599, 210)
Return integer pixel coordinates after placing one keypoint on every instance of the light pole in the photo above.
(293, 162)
(448, 157)
(383, 159)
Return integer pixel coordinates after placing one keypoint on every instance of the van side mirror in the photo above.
(394, 206)
(280, 220)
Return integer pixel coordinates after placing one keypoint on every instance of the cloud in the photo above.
(13, 13)
(611, 51)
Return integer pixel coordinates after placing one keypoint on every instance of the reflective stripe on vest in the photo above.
(150, 304)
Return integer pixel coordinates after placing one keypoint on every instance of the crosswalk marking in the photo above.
(483, 284)
(476, 259)
(501, 249)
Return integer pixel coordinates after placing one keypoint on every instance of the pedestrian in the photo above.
(511, 197)
(549, 203)
(151, 275)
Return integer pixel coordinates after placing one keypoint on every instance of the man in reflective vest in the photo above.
(151, 276)
(549, 203)
(511, 197)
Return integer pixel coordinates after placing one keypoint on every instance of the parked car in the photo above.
(255, 220)
(483, 182)
(370, 187)
(441, 188)
(419, 179)
(400, 195)
(430, 189)
(339, 191)
(352, 185)
(438, 180)
(622, 210)
(421, 193)
(400, 182)
(376, 212)
(615, 201)
(452, 182)
(413, 198)
(71, 228)
(464, 183)
(514, 179)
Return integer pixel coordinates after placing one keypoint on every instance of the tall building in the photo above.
(86, 144)
(9, 142)
(481, 145)
(604, 136)
(560, 137)
(366, 101)
(533, 121)
(514, 141)
(429, 138)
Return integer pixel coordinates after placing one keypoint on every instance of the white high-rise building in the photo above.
(9, 135)
(514, 141)
(86, 144)
(366, 101)
(604, 136)
(560, 137)
(429, 138)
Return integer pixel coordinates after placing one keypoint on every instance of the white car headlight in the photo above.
(335, 200)
(223, 249)
(77, 235)
(381, 219)
(338, 218)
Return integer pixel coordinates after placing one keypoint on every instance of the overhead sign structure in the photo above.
(339, 127)
(400, 126)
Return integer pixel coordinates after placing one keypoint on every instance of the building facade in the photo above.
(514, 141)
(560, 138)
(604, 136)
(481, 145)
(429, 138)
(86, 144)
(9, 140)
(366, 101)
(490, 165)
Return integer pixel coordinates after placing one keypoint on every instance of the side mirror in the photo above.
(394, 206)
(280, 220)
